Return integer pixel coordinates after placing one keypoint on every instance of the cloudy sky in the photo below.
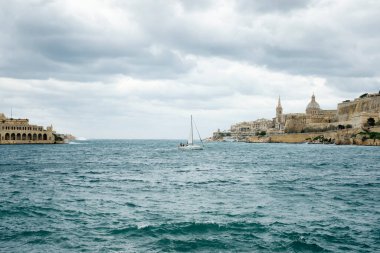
(139, 68)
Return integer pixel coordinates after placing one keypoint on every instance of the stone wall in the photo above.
(293, 138)
(295, 122)
(340, 137)
(350, 109)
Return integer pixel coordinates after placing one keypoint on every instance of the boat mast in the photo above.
(191, 120)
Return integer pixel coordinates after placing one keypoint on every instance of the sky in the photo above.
(138, 69)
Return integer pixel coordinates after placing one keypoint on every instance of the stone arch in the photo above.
(7, 136)
(45, 137)
(13, 137)
(23, 137)
(18, 137)
(39, 137)
(34, 137)
(29, 137)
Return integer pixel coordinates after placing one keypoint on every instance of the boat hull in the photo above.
(190, 147)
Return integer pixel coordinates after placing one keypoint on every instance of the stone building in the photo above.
(314, 118)
(353, 114)
(19, 131)
(243, 129)
(349, 113)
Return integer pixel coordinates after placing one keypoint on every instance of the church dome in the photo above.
(313, 105)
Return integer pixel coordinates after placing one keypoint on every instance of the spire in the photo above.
(279, 120)
(279, 102)
(313, 97)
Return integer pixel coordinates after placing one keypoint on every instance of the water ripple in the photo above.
(146, 196)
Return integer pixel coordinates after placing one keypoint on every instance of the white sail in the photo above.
(190, 139)
(190, 142)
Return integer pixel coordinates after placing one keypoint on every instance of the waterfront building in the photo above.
(314, 118)
(350, 114)
(243, 129)
(19, 131)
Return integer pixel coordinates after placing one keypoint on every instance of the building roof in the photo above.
(313, 104)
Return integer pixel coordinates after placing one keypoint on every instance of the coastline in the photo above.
(356, 136)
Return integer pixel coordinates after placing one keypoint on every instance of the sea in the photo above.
(148, 196)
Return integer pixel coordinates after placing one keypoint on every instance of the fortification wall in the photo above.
(296, 138)
(295, 123)
(321, 118)
(341, 137)
(348, 110)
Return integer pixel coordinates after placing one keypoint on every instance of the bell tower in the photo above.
(279, 117)
(279, 111)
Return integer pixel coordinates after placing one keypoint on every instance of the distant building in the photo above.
(349, 113)
(243, 129)
(279, 121)
(313, 118)
(19, 131)
(353, 114)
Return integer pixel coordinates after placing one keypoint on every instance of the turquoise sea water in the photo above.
(147, 196)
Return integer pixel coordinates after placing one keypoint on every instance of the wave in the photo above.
(130, 204)
(193, 244)
(185, 228)
(41, 233)
(301, 246)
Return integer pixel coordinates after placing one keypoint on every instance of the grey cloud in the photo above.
(44, 43)
(271, 6)
(196, 5)
(322, 44)
(354, 85)
(41, 41)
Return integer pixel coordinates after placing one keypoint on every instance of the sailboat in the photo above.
(190, 143)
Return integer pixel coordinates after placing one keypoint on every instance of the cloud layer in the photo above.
(137, 69)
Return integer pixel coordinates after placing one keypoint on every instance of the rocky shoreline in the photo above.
(362, 137)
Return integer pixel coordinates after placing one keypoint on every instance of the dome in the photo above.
(313, 104)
